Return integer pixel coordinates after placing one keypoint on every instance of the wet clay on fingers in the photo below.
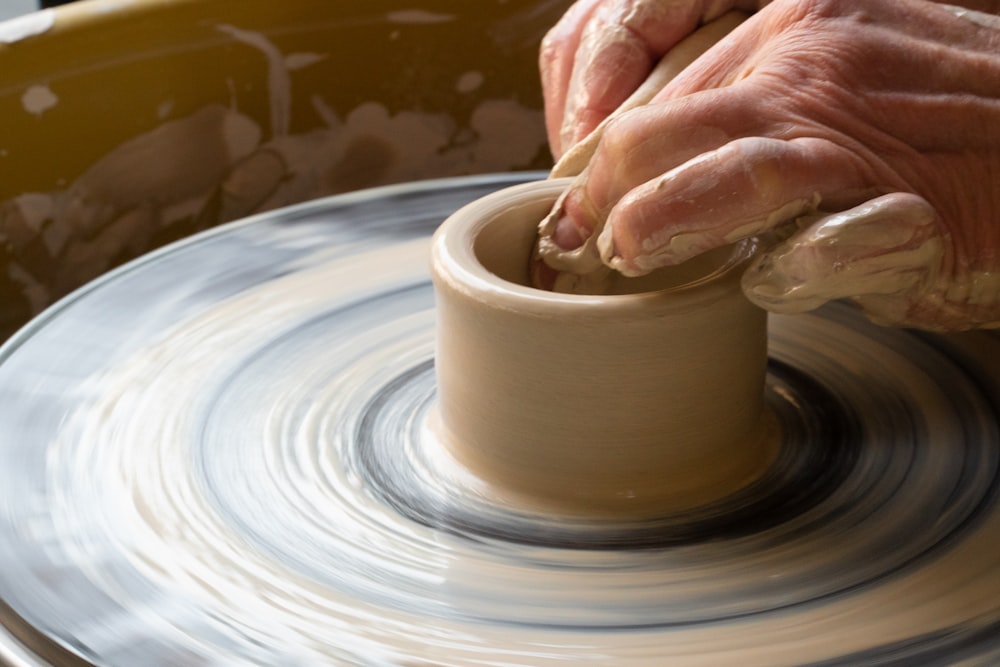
(642, 402)
(581, 270)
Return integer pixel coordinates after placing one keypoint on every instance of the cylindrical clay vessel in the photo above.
(629, 404)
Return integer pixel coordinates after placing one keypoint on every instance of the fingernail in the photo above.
(568, 234)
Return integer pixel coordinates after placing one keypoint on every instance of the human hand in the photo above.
(601, 51)
(886, 115)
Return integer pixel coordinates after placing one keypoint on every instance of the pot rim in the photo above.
(455, 264)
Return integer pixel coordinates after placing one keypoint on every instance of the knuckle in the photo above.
(620, 134)
(551, 45)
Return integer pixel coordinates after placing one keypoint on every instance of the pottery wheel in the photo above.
(218, 455)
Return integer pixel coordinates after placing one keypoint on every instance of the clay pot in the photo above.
(644, 402)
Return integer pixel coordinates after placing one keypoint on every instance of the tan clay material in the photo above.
(643, 402)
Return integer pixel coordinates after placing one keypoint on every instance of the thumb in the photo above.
(882, 254)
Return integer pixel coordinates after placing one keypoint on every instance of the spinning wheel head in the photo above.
(219, 455)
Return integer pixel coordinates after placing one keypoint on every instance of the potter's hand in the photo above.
(888, 113)
(602, 50)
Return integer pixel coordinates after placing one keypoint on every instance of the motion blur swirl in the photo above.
(220, 455)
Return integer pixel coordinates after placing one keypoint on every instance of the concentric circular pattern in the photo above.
(220, 455)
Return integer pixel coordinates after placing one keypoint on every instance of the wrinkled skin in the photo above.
(885, 114)
(601, 50)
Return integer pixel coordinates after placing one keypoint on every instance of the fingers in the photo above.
(555, 59)
(745, 187)
(690, 183)
(613, 46)
(882, 254)
(673, 63)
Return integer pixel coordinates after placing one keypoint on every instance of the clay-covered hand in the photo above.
(860, 136)
(601, 51)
